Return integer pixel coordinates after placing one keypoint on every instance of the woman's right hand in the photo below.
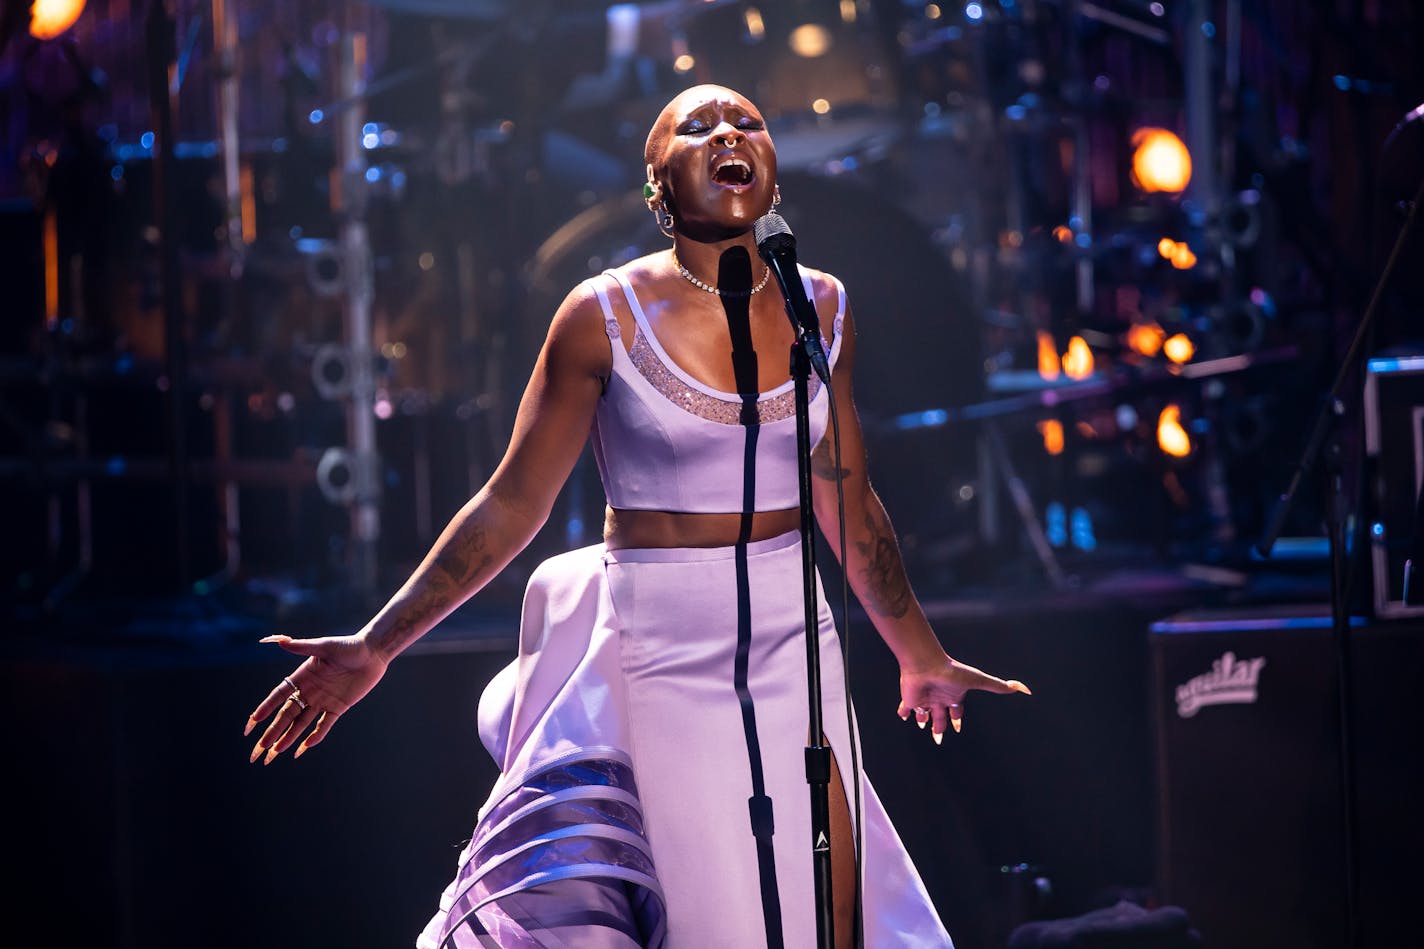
(337, 673)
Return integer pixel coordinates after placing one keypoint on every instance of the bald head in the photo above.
(656, 146)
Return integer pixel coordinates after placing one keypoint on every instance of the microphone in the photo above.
(777, 247)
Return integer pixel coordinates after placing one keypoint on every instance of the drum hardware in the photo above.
(1239, 326)
(331, 371)
(1239, 222)
(1124, 385)
(343, 477)
(323, 265)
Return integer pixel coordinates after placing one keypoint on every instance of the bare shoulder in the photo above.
(827, 290)
(577, 339)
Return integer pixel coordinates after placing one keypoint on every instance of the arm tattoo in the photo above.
(458, 562)
(464, 556)
(823, 465)
(884, 574)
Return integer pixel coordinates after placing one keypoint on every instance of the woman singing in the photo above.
(650, 733)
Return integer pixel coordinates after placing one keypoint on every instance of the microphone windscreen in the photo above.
(772, 227)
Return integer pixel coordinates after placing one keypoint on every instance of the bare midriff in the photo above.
(626, 530)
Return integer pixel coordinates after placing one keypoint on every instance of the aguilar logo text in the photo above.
(1231, 681)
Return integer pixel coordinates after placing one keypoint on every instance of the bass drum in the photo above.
(917, 347)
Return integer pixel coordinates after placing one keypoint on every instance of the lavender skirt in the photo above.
(652, 788)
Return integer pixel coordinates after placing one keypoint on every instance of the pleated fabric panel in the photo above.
(561, 859)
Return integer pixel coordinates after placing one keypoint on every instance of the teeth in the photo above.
(730, 166)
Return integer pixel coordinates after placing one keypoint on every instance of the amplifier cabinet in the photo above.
(1250, 822)
(1394, 446)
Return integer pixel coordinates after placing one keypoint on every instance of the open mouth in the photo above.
(732, 172)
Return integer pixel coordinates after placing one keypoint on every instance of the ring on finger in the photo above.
(297, 698)
(921, 710)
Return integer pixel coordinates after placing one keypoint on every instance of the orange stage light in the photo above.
(1172, 438)
(1047, 356)
(1179, 348)
(1160, 162)
(49, 18)
(1145, 338)
(1052, 431)
(1078, 360)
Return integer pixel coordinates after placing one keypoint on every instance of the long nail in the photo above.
(939, 738)
(1018, 686)
(251, 724)
(921, 722)
(958, 723)
(256, 753)
(271, 755)
(301, 750)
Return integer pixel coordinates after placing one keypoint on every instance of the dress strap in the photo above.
(838, 321)
(639, 316)
(610, 321)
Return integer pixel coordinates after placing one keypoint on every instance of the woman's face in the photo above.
(712, 154)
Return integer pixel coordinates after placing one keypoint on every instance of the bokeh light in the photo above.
(1172, 438)
(1179, 348)
(1052, 431)
(1078, 360)
(1048, 364)
(1160, 162)
(810, 40)
(49, 18)
(1145, 338)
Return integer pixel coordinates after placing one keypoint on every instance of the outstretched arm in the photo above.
(550, 429)
(932, 685)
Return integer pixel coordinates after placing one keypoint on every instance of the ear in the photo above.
(652, 178)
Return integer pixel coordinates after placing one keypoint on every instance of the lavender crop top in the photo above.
(666, 442)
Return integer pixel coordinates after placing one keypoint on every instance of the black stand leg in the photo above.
(1340, 627)
(818, 754)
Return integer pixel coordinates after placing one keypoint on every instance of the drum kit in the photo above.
(377, 227)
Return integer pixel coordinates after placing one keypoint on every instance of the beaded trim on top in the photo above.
(702, 405)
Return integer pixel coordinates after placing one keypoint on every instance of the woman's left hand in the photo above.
(935, 694)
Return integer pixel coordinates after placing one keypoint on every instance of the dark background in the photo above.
(947, 187)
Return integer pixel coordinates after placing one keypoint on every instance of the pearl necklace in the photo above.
(687, 274)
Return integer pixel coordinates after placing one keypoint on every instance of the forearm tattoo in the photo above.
(464, 555)
(455, 566)
(886, 586)
(823, 464)
(432, 597)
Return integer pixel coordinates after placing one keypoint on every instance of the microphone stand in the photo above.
(818, 753)
(1325, 436)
